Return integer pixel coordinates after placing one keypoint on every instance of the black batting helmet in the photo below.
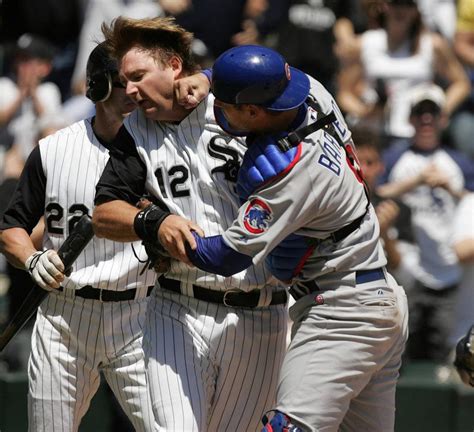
(99, 72)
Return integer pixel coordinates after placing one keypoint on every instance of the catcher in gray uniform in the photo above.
(305, 211)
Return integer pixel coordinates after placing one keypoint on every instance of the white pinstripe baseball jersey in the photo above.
(74, 339)
(192, 168)
(72, 167)
(211, 367)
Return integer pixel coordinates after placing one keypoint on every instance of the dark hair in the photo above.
(415, 29)
(366, 137)
(161, 37)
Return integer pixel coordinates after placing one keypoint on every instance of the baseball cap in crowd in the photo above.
(427, 93)
(33, 46)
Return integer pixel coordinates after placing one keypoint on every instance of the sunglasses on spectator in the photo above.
(426, 107)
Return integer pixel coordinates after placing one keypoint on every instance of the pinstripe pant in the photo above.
(73, 341)
(210, 367)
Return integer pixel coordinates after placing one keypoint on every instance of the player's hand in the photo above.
(191, 90)
(46, 269)
(175, 231)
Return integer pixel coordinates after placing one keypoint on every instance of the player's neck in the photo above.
(106, 127)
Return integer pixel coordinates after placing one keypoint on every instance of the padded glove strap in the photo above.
(263, 162)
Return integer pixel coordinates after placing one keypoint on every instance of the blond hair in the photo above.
(161, 37)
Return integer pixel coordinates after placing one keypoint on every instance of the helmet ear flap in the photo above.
(99, 87)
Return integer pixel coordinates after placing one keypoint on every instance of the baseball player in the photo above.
(305, 211)
(213, 345)
(93, 317)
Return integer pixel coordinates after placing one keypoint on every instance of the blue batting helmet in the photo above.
(252, 74)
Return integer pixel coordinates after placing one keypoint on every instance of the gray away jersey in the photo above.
(318, 196)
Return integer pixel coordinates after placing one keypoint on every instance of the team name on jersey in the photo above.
(331, 158)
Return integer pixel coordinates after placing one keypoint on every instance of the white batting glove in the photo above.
(46, 269)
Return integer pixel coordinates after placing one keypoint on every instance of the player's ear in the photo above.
(177, 66)
(253, 110)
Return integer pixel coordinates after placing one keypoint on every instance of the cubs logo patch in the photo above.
(257, 216)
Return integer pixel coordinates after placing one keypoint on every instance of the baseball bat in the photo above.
(74, 244)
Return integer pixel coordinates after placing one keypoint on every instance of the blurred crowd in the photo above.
(401, 71)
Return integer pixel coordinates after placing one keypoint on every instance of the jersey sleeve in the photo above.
(27, 204)
(214, 256)
(124, 175)
(267, 218)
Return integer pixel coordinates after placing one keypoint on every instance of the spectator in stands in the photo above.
(430, 179)
(28, 103)
(57, 21)
(373, 10)
(234, 22)
(394, 59)
(462, 124)
(314, 32)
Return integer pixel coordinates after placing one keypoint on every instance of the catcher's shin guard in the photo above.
(279, 423)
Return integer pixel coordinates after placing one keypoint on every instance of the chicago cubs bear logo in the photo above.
(257, 216)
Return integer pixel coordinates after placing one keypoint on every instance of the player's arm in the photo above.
(20, 218)
(17, 246)
(116, 215)
(120, 187)
(261, 225)
(213, 255)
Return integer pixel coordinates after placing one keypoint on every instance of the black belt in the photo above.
(91, 293)
(239, 299)
(361, 276)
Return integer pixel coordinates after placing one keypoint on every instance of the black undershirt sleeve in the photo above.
(27, 203)
(124, 175)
